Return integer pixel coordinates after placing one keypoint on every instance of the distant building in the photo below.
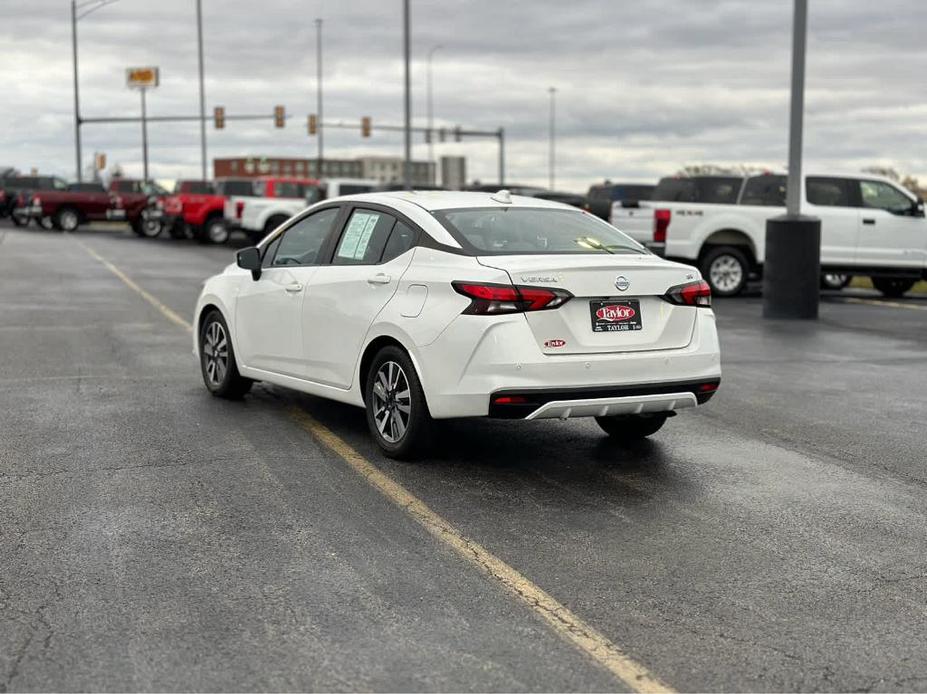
(381, 169)
(454, 173)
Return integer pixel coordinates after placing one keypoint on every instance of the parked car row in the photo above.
(55, 204)
(870, 226)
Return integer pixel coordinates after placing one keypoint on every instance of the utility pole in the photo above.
(501, 136)
(552, 153)
(431, 108)
(318, 67)
(199, 39)
(407, 167)
(144, 135)
(792, 271)
(76, 94)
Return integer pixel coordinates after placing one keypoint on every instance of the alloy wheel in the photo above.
(216, 353)
(217, 232)
(726, 273)
(392, 401)
(68, 220)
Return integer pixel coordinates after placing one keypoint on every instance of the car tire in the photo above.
(147, 228)
(67, 219)
(217, 360)
(631, 427)
(835, 280)
(892, 287)
(397, 413)
(214, 231)
(726, 269)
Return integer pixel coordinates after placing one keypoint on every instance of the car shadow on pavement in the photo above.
(573, 456)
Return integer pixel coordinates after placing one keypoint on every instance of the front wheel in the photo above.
(67, 219)
(397, 414)
(834, 280)
(725, 268)
(214, 231)
(631, 427)
(217, 360)
(892, 287)
(146, 227)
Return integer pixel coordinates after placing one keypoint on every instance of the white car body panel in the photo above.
(307, 327)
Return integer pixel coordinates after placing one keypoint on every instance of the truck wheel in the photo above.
(67, 219)
(215, 231)
(892, 287)
(147, 228)
(725, 268)
(834, 280)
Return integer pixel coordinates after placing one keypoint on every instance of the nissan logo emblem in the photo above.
(622, 283)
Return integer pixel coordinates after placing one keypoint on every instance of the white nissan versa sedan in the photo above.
(430, 305)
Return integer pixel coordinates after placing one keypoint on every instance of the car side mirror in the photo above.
(250, 259)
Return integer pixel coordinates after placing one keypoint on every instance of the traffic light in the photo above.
(218, 115)
(313, 124)
(279, 116)
(365, 126)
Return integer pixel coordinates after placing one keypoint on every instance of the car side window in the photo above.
(400, 240)
(301, 243)
(882, 196)
(828, 192)
(364, 238)
(764, 190)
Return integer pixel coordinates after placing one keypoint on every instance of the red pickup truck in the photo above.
(139, 203)
(196, 209)
(65, 206)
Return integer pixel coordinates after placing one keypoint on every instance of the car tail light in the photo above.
(493, 299)
(661, 221)
(696, 293)
(239, 208)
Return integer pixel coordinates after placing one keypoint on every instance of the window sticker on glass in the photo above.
(357, 235)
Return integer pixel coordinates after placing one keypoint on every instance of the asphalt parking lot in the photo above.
(155, 538)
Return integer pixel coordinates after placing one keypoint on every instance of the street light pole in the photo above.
(792, 270)
(144, 136)
(431, 110)
(407, 167)
(77, 152)
(199, 39)
(318, 67)
(552, 160)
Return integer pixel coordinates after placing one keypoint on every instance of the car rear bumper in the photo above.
(463, 375)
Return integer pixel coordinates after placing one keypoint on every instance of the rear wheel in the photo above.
(892, 287)
(725, 268)
(67, 219)
(834, 280)
(217, 360)
(397, 414)
(631, 427)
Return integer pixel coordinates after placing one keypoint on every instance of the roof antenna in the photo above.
(503, 196)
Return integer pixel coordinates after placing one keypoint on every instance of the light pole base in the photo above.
(792, 271)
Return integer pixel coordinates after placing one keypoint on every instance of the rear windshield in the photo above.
(241, 188)
(621, 192)
(705, 189)
(533, 231)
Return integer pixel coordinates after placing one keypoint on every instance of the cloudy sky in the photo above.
(644, 86)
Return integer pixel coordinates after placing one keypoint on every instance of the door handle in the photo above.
(868, 221)
(294, 287)
(380, 278)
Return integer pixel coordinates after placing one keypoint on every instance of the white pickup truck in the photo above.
(869, 226)
(258, 216)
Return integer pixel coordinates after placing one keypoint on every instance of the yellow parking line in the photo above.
(879, 302)
(166, 311)
(567, 624)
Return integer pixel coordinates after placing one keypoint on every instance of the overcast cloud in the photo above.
(644, 86)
